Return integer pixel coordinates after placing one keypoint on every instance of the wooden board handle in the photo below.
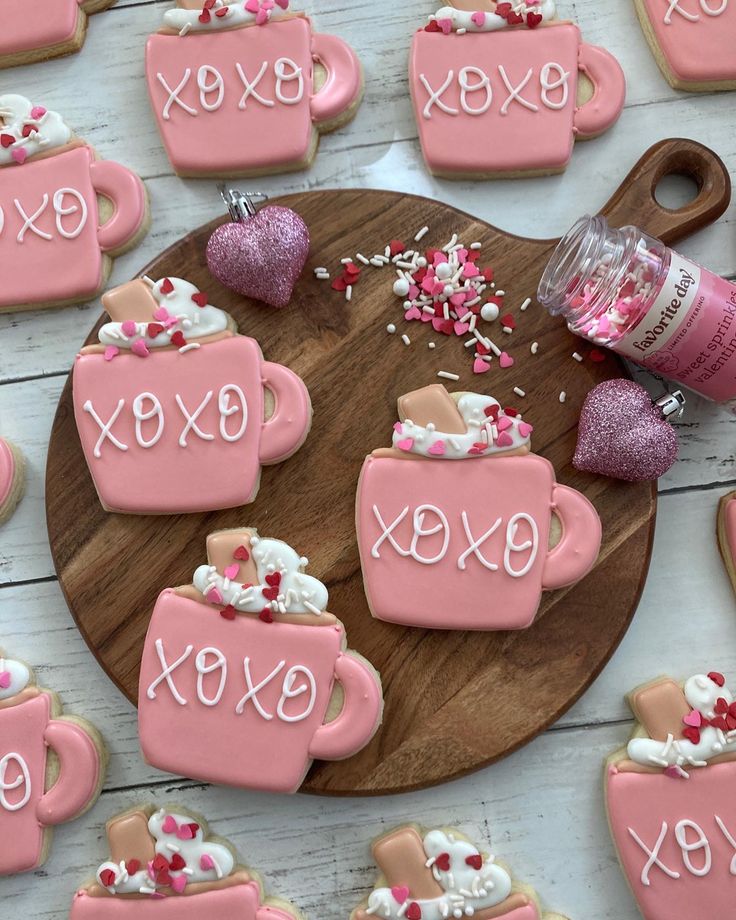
(635, 202)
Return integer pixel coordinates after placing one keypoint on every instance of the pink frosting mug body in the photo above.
(41, 24)
(242, 100)
(243, 702)
(51, 232)
(27, 810)
(676, 840)
(233, 902)
(506, 101)
(185, 432)
(464, 545)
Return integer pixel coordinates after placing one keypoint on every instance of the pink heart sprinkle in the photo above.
(252, 6)
(461, 328)
(169, 825)
(284, 4)
(261, 17)
(398, 427)
(505, 360)
(129, 327)
(672, 772)
(140, 348)
(445, 25)
(525, 429)
(214, 596)
(161, 313)
(38, 111)
(504, 440)
(478, 19)
(206, 862)
(437, 449)
(413, 313)
(406, 444)
(480, 366)
(457, 300)
(469, 270)
(504, 422)
(694, 719)
(231, 571)
(4, 680)
(400, 893)
(111, 351)
(179, 883)
(19, 154)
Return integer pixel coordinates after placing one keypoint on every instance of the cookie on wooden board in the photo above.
(12, 478)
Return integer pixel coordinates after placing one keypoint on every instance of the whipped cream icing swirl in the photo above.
(453, 20)
(27, 129)
(224, 14)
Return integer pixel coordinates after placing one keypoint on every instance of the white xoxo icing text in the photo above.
(207, 87)
(476, 538)
(61, 213)
(471, 90)
(691, 839)
(21, 782)
(150, 419)
(709, 7)
(296, 680)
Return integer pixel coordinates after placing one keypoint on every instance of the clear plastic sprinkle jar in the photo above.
(626, 291)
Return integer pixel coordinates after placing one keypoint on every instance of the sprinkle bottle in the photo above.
(626, 291)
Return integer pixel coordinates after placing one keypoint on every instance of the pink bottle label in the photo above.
(689, 332)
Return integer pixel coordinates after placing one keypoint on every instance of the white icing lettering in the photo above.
(729, 836)
(253, 690)
(29, 222)
(681, 829)
(387, 533)
(226, 410)
(282, 77)
(174, 95)
(515, 91)
(200, 663)
(549, 86)
(62, 212)
(2, 220)
(191, 420)
(167, 671)
(474, 545)
(653, 856)
(466, 87)
(23, 779)
(710, 11)
(513, 547)
(140, 416)
(206, 89)
(289, 693)
(106, 427)
(675, 6)
(420, 532)
(250, 87)
(435, 96)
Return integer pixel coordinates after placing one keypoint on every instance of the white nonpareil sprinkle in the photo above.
(188, 347)
(578, 357)
(391, 328)
(535, 347)
(405, 339)
(526, 303)
(348, 292)
(475, 245)
(563, 396)
(422, 233)
(500, 293)
(507, 329)
(447, 375)
(346, 261)
(321, 270)
(361, 258)
(431, 345)
(519, 391)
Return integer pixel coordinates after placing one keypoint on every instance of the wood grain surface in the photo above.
(454, 701)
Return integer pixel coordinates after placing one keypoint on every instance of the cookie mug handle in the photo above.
(344, 82)
(575, 554)
(128, 196)
(609, 91)
(287, 428)
(360, 714)
(79, 773)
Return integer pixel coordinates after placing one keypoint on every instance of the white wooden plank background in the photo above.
(542, 808)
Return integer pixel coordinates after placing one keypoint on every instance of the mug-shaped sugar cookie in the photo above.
(52, 230)
(693, 41)
(43, 29)
(172, 387)
(164, 866)
(454, 521)
(497, 95)
(51, 768)
(670, 799)
(240, 695)
(233, 90)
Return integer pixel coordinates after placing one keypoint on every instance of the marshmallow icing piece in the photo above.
(482, 21)
(14, 677)
(187, 20)
(44, 129)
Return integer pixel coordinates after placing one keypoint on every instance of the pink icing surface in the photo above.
(696, 51)
(271, 742)
(7, 471)
(54, 267)
(521, 139)
(40, 24)
(207, 473)
(453, 588)
(27, 731)
(643, 803)
(273, 134)
(236, 902)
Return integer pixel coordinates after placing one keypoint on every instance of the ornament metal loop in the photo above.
(671, 404)
(241, 205)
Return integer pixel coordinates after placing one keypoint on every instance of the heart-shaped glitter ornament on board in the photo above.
(259, 254)
(624, 435)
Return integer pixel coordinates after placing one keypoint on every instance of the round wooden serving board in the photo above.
(455, 701)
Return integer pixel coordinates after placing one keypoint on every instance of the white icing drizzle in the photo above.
(702, 694)
(297, 592)
(466, 21)
(14, 677)
(204, 861)
(676, 6)
(237, 14)
(183, 315)
(17, 112)
(467, 889)
(21, 781)
(481, 439)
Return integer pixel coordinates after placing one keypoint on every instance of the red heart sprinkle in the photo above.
(7, 140)
(200, 299)
(177, 862)
(509, 410)
(596, 356)
(107, 877)
(270, 593)
(339, 284)
(443, 862)
(166, 286)
(241, 553)
(205, 16)
(178, 339)
(266, 615)
(396, 247)
(28, 130)
(432, 26)
(208, 4)
(132, 866)
(731, 722)
(488, 276)
(721, 706)
(717, 678)
(160, 863)
(514, 19)
(533, 19)
(154, 329)
(228, 613)
(273, 579)
(223, 11)
(692, 734)
(476, 861)
(508, 320)
(193, 828)
(492, 412)
(719, 722)
(413, 911)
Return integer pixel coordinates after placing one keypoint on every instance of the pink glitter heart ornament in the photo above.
(622, 434)
(262, 256)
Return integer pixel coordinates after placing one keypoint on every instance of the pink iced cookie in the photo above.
(726, 533)
(438, 874)
(454, 521)
(171, 405)
(51, 768)
(239, 671)
(64, 213)
(44, 28)
(693, 41)
(496, 89)
(670, 806)
(164, 865)
(235, 91)
(12, 478)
